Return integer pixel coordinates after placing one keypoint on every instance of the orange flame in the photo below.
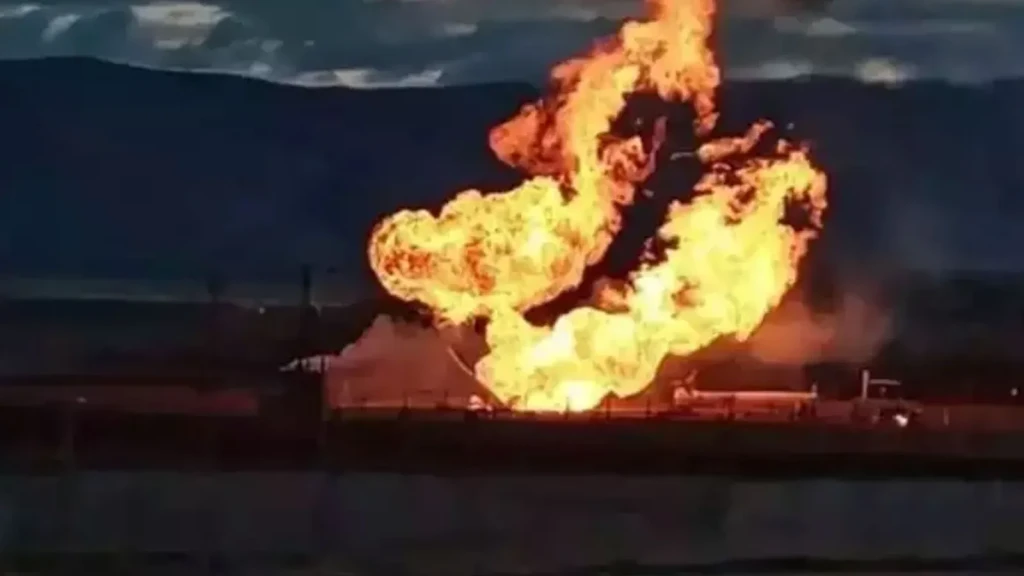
(731, 257)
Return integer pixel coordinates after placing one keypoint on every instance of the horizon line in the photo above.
(796, 77)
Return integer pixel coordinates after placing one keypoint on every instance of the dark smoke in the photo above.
(851, 333)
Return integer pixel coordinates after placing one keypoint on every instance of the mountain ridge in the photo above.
(124, 171)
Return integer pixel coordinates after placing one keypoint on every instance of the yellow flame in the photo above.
(731, 257)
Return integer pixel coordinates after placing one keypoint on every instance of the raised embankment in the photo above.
(442, 443)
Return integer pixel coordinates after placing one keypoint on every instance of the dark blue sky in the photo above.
(378, 42)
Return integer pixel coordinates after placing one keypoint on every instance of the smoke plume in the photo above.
(851, 333)
(397, 363)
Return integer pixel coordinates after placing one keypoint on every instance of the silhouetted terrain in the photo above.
(113, 171)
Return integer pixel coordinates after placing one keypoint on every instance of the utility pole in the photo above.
(68, 458)
(307, 335)
(215, 287)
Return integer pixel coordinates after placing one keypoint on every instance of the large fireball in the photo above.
(731, 256)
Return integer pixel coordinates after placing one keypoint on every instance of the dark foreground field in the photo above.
(439, 443)
(298, 565)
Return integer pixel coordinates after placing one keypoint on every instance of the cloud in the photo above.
(59, 25)
(368, 78)
(776, 70)
(175, 25)
(18, 10)
(828, 27)
(371, 43)
(456, 29)
(884, 71)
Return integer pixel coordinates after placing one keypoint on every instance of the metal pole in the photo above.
(209, 512)
(307, 329)
(69, 479)
(320, 514)
(215, 287)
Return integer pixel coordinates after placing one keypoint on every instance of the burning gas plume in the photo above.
(730, 254)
